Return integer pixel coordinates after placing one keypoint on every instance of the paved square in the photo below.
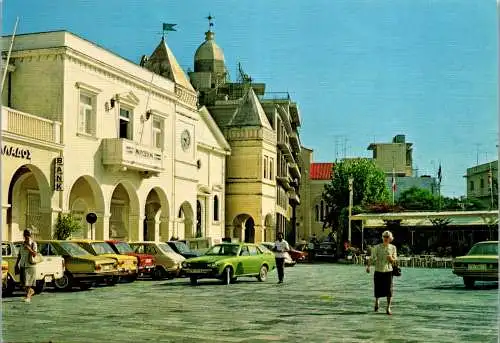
(317, 303)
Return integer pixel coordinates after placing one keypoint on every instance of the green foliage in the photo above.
(66, 225)
(418, 199)
(368, 187)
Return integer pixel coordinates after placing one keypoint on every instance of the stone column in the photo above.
(259, 233)
(6, 232)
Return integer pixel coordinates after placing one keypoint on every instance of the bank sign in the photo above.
(16, 152)
(58, 174)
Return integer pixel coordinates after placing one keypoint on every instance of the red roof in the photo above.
(321, 171)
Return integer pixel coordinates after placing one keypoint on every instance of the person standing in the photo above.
(26, 269)
(383, 256)
(281, 247)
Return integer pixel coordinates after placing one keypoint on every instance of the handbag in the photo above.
(396, 271)
(35, 259)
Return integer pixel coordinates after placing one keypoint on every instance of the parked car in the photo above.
(228, 261)
(168, 262)
(183, 249)
(480, 263)
(82, 268)
(47, 271)
(327, 250)
(8, 284)
(126, 265)
(146, 263)
(289, 262)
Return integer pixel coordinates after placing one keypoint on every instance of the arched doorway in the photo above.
(29, 203)
(244, 228)
(86, 196)
(124, 211)
(186, 217)
(156, 223)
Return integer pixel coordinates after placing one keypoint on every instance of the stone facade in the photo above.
(395, 157)
(107, 136)
(482, 183)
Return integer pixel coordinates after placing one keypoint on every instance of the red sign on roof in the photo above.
(321, 171)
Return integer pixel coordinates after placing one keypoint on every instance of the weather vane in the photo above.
(168, 27)
(210, 23)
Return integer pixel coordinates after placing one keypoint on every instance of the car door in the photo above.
(244, 261)
(254, 259)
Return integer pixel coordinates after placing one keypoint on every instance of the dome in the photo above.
(209, 50)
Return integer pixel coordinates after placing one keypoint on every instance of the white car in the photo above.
(289, 262)
(50, 269)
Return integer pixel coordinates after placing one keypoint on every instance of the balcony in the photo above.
(294, 197)
(295, 170)
(286, 182)
(295, 114)
(30, 126)
(123, 154)
(295, 141)
(285, 148)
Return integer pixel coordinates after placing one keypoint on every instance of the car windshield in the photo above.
(123, 248)
(484, 249)
(224, 249)
(73, 249)
(265, 248)
(102, 248)
(183, 248)
(165, 247)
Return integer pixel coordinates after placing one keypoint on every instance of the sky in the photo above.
(361, 71)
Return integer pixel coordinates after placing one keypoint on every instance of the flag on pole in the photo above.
(169, 27)
(440, 176)
(490, 178)
(393, 181)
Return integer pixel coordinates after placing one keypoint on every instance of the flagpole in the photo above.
(490, 179)
(8, 54)
(439, 186)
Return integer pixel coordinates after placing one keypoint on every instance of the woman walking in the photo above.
(24, 266)
(383, 256)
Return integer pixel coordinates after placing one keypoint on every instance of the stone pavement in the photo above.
(317, 303)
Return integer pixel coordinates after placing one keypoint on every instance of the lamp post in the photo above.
(351, 180)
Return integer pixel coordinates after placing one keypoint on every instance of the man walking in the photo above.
(281, 247)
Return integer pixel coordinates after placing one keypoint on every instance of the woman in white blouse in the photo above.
(383, 256)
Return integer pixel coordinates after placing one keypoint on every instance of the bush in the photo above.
(66, 225)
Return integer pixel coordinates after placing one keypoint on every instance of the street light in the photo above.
(351, 180)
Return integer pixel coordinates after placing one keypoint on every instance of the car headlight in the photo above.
(185, 264)
(212, 265)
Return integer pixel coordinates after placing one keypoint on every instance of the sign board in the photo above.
(17, 152)
(58, 174)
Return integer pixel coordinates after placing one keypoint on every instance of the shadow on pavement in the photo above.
(201, 283)
(454, 287)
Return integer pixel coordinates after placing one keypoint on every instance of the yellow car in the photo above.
(168, 262)
(82, 268)
(7, 281)
(127, 265)
(480, 263)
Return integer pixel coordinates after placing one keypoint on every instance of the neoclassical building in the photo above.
(85, 130)
(262, 128)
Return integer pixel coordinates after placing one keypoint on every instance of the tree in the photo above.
(66, 225)
(368, 187)
(418, 199)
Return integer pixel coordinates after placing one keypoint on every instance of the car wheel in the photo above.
(9, 287)
(131, 278)
(262, 274)
(65, 282)
(159, 273)
(469, 282)
(227, 273)
(112, 281)
(193, 281)
(40, 286)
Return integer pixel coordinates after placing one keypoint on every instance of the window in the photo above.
(158, 132)
(216, 208)
(271, 168)
(86, 118)
(150, 249)
(244, 251)
(125, 123)
(481, 183)
(265, 167)
(253, 250)
(471, 185)
(322, 210)
(317, 213)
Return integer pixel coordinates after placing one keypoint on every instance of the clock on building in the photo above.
(185, 140)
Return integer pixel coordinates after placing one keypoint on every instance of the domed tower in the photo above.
(209, 64)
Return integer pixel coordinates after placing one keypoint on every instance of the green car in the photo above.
(480, 263)
(228, 261)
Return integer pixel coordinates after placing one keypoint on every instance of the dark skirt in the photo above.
(383, 284)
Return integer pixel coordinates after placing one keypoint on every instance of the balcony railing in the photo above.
(125, 154)
(295, 171)
(31, 126)
(295, 141)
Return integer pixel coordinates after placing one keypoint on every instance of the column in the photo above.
(6, 231)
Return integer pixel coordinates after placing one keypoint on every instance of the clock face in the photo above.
(185, 140)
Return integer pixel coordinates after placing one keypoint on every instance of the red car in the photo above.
(146, 263)
(297, 255)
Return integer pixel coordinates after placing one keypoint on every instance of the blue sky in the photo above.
(359, 70)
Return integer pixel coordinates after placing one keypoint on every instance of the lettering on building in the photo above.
(58, 174)
(17, 152)
(143, 153)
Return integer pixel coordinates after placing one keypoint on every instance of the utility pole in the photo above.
(351, 181)
(477, 153)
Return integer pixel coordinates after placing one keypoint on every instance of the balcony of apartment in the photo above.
(295, 141)
(286, 181)
(284, 146)
(294, 197)
(295, 170)
(29, 126)
(123, 154)
(295, 114)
